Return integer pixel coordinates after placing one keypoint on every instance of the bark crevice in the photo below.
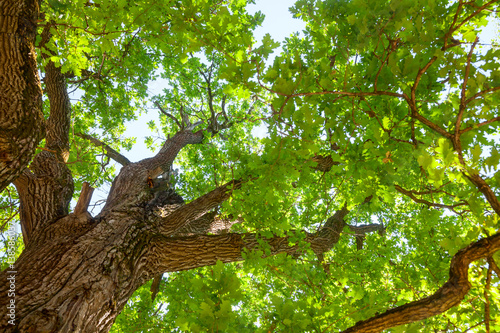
(22, 124)
(46, 189)
(168, 254)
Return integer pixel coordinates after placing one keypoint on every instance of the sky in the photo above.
(278, 22)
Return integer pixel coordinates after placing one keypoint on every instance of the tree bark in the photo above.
(46, 188)
(21, 118)
(77, 276)
(78, 272)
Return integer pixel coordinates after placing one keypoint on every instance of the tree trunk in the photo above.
(77, 273)
(21, 118)
(77, 276)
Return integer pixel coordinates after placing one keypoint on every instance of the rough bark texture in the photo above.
(21, 118)
(77, 272)
(46, 189)
(59, 120)
(77, 276)
(88, 268)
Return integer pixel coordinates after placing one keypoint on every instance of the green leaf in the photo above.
(425, 160)
(476, 153)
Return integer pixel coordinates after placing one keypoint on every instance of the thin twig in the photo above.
(425, 202)
(168, 115)
(487, 297)
(463, 101)
(110, 152)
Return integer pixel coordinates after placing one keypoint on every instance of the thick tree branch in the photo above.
(170, 149)
(110, 152)
(155, 286)
(45, 193)
(58, 124)
(84, 200)
(168, 251)
(209, 223)
(329, 234)
(324, 163)
(47, 189)
(22, 124)
(168, 254)
(194, 210)
(131, 186)
(184, 253)
(486, 190)
(360, 232)
(448, 296)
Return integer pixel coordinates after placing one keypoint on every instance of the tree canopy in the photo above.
(370, 204)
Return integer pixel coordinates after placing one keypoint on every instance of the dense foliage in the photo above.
(388, 109)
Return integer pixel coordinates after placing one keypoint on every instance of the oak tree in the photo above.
(370, 203)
